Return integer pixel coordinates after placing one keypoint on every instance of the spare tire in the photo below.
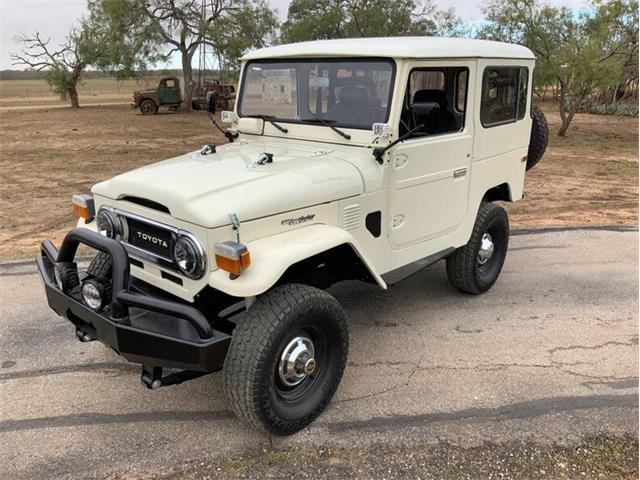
(539, 137)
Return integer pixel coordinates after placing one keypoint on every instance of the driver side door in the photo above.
(430, 173)
(169, 91)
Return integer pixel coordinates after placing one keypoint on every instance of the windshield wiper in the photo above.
(328, 123)
(269, 118)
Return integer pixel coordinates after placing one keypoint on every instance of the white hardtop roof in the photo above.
(395, 47)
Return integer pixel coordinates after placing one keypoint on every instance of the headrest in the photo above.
(353, 94)
(431, 95)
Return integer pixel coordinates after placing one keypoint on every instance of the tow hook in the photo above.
(151, 377)
(84, 336)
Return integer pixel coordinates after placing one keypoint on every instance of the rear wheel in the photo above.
(148, 107)
(475, 267)
(286, 358)
(222, 103)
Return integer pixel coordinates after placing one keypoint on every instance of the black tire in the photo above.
(539, 137)
(148, 107)
(67, 276)
(252, 375)
(222, 103)
(100, 266)
(464, 268)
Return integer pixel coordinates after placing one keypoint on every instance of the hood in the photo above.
(205, 189)
(146, 90)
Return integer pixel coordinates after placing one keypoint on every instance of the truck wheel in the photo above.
(286, 358)
(539, 137)
(100, 266)
(475, 267)
(223, 103)
(148, 107)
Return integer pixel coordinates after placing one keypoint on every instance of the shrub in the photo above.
(621, 107)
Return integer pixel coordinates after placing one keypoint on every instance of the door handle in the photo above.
(459, 173)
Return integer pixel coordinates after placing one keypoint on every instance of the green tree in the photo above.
(63, 65)
(575, 50)
(159, 28)
(318, 19)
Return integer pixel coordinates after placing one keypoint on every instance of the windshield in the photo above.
(348, 93)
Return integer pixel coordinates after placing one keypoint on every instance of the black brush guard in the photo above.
(154, 332)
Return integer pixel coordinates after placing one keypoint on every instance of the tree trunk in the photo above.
(567, 115)
(187, 81)
(73, 97)
(72, 89)
(563, 111)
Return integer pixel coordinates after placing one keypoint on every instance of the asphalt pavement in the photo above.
(550, 354)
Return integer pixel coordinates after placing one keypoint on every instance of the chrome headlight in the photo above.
(108, 224)
(189, 256)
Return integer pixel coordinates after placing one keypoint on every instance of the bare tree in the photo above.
(181, 26)
(63, 65)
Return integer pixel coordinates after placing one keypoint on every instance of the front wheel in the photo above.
(286, 358)
(475, 267)
(148, 107)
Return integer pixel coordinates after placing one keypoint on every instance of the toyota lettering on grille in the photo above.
(155, 240)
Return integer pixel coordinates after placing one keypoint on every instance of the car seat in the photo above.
(446, 120)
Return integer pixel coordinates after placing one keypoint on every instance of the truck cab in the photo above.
(358, 159)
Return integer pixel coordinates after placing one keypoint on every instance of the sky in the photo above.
(53, 18)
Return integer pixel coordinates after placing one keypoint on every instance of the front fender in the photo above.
(271, 256)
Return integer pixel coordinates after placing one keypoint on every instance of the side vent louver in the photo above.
(352, 217)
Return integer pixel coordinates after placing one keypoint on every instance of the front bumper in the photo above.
(143, 329)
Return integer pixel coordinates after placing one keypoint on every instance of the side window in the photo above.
(504, 95)
(425, 80)
(170, 83)
(435, 98)
(461, 90)
(522, 92)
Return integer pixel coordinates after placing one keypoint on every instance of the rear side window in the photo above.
(504, 95)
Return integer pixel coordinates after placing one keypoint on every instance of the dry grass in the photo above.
(587, 178)
(47, 154)
(15, 93)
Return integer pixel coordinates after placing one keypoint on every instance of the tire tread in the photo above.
(250, 344)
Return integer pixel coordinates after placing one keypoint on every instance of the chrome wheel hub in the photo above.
(486, 249)
(297, 361)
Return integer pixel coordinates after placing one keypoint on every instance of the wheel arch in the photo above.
(151, 96)
(500, 192)
(318, 255)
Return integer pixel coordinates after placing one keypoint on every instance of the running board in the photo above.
(395, 276)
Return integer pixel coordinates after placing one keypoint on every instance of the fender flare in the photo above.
(272, 256)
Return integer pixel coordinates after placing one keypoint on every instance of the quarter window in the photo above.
(504, 95)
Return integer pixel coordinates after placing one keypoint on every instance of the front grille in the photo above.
(150, 238)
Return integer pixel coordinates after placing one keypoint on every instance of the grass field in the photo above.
(14, 93)
(589, 178)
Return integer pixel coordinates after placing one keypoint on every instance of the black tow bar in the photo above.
(151, 377)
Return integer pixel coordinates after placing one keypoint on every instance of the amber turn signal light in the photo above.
(232, 257)
(83, 207)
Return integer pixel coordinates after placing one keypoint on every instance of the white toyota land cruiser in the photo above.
(348, 159)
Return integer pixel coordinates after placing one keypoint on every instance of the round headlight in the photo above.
(108, 225)
(95, 293)
(189, 257)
